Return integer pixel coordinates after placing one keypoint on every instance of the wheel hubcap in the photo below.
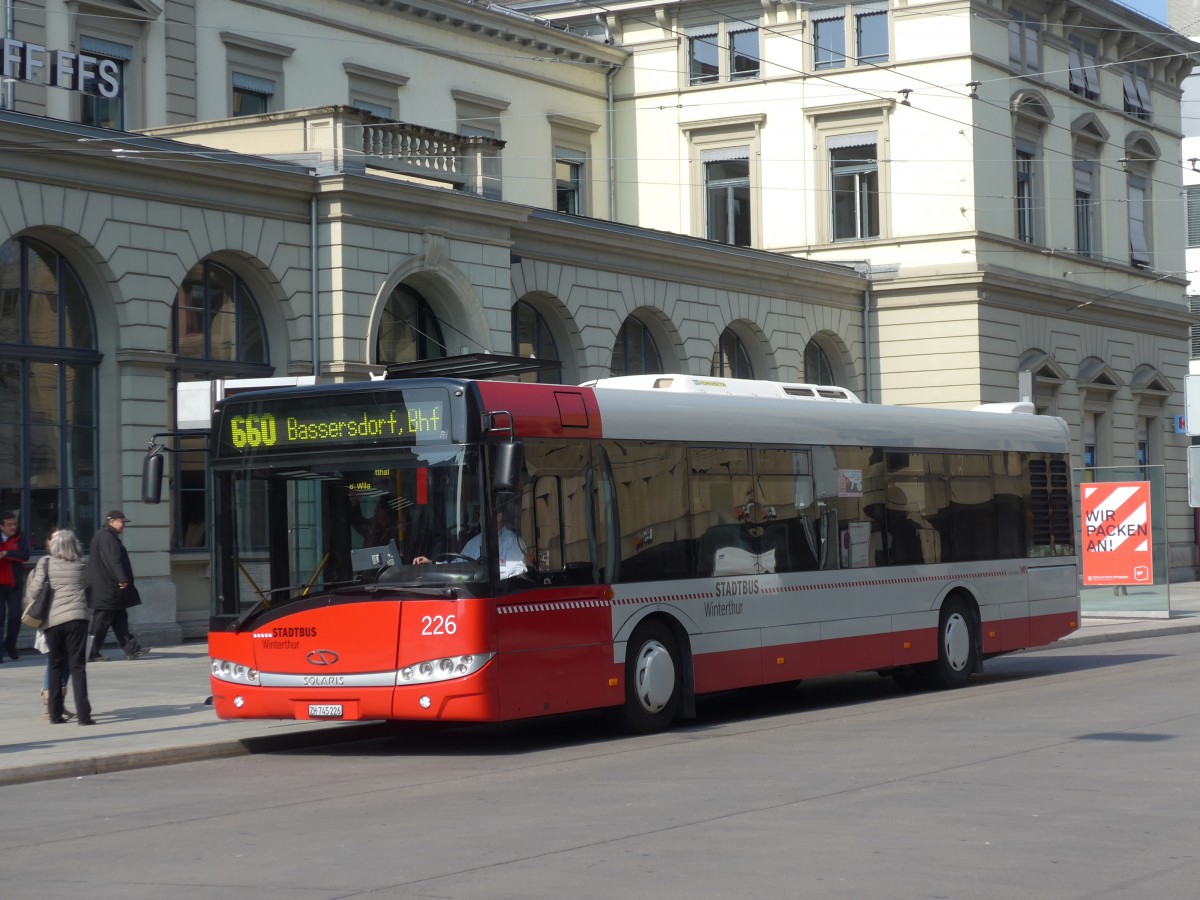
(958, 642)
(655, 677)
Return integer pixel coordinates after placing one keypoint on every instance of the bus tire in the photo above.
(653, 678)
(957, 646)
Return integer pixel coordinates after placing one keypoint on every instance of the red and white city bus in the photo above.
(675, 536)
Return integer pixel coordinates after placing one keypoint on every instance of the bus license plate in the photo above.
(325, 710)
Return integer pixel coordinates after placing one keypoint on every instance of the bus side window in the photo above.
(972, 506)
(722, 495)
(1010, 504)
(854, 491)
(785, 509)
(650, 515)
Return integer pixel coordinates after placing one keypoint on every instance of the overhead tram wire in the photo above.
(870, 65)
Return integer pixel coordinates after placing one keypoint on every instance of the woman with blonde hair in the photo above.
(66, 625)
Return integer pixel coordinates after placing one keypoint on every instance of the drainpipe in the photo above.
(314, 283)
(10, 33)
(612, 141)
(865, 268)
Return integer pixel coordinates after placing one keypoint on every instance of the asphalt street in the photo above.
(153, 711)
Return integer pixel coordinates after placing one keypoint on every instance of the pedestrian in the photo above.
(14, 553)
(112, 589)
(39, 644)
(66, 625)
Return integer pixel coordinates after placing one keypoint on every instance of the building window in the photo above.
(704, 55)
(635, 351)
(217, 318)
(1139, 231)
(255, 69)
(1026, 193)
(865, 30)
(375, 109)
(218, 333)
(817, 368)
(1137, 93)
(1025, 42)
(829, 37)
(251, 95)
(1144, 430)
(112, 68)
(531, 338)
(871, 33)
(727, 194)
(1193, 215)
(723, 52)
(1085, 206)
(743, 51)
(854, 183)
(373, 90)
(409, 331)
(731, 359)
(1085, 77)
(49, 395)
(568, 180)
(572, 142)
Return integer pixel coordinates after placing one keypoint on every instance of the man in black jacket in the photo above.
(14, 553)
(112, 590)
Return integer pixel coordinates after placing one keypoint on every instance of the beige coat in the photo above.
(69, 580)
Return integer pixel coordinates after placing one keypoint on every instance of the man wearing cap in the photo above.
(112, 588)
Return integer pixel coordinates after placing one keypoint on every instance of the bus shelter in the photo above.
(1122, 540)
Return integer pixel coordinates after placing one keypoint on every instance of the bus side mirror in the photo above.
(152, 473)
(507, 462)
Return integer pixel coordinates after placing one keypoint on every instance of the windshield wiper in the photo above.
(266, 601)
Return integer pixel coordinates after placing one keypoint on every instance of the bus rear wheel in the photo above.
(653, 679)
(957, 646)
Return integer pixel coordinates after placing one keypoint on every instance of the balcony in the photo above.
(334, 139)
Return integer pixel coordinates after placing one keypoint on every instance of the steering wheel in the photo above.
(454, 557)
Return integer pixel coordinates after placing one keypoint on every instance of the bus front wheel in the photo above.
(653, 680)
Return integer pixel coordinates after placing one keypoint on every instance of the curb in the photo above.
(1102, 637)
(145, 759)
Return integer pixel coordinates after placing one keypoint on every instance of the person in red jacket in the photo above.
(14, 553)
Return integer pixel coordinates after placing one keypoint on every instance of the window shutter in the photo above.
(108, 49)
(725, 154)
(1193, 215)
(253, 84)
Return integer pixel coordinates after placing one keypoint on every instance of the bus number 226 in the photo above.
(438, 625)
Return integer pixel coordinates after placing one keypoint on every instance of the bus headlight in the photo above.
(234, 673)
(442, 669)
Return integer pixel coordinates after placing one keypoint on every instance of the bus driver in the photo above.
(512, 549)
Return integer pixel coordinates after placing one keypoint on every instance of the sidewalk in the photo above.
(152, 711)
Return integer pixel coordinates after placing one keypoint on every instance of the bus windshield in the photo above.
(406, 519)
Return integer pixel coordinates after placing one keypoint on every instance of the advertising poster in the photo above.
(1117, 548)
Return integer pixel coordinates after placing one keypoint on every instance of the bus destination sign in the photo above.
(332, 421)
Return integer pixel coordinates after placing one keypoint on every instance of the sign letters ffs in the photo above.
(25, 61)
(1117, 547)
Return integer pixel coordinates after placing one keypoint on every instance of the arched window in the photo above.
(409, 331)
(531, 337)
(635, 352)
(817, 368)
(217, 320)
(731, 359)
(217, 333)
(48, 393)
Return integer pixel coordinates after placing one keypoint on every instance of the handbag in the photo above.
(39, 607)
